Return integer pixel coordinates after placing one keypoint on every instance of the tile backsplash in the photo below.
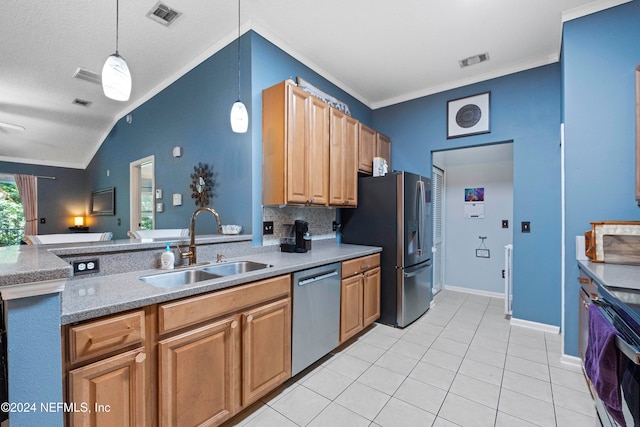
(320, 222)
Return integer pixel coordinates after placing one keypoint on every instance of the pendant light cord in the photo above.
(117, 23)
(238, 50)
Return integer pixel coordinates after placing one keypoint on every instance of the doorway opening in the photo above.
(11, 212)
(470, 235)
(142, 189)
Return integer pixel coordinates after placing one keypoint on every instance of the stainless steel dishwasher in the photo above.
(316, 314)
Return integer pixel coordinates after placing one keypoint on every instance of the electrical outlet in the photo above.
(86, 266)
(119, 221)
(505, 223)
(267, 227)
(526, 227)
(503, 272)
(335, 226)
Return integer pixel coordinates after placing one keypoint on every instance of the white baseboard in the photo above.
(571, 360)
(475, 291)
(535, 325)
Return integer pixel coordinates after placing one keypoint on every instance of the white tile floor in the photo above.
(461, 364)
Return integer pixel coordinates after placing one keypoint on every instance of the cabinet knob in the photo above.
(250, 318)
(234, 324)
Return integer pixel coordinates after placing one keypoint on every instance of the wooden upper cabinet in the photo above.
(366, 149)
(383, 147)
(372, 144)
(343, 159)
(295, 147)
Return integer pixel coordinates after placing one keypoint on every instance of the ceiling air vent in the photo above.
(472, 60)
(82, 102)
(87, 75)
(163, 14)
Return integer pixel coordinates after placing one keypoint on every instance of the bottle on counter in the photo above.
(307, 241)
(167, 259)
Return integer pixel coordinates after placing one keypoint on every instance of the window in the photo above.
(11, 213)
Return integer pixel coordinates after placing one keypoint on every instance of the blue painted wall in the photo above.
(59, 200)
(34, 358)
(525, 108)
(600, 54)
(192, 113)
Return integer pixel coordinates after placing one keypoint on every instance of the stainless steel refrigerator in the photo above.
(394, 212)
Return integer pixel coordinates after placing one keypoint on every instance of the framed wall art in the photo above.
(468, 116)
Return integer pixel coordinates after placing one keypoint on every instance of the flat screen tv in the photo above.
(103, 202)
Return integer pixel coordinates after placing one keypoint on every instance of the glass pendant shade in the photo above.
(116, 78)
(239, 117)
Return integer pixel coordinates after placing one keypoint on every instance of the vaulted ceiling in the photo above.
(381, 52)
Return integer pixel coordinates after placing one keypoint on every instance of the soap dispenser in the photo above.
(167, 259)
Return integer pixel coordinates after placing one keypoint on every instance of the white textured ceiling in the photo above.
(380, 51)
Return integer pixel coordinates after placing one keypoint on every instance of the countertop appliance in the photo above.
(316, 314)
(394, 212)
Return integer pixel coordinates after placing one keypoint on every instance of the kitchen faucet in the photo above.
(191, 253)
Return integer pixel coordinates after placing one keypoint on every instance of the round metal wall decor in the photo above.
(203, 184)
(468, 116)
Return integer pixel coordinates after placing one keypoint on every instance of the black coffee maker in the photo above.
(300, 228)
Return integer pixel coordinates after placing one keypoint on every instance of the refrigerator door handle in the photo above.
(417, 270)
(420, 206)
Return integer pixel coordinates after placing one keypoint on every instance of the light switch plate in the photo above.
(177, 199)
(159, 207)
(158, 193)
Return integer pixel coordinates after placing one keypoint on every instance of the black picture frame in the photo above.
(103, 202)
(469, 115)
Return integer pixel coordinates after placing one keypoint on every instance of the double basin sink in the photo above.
(193, 275)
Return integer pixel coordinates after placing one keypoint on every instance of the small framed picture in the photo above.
(482, 253)
(468, 116)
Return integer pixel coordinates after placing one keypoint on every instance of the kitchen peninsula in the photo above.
(42, 295)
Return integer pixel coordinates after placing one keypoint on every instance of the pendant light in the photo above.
(239, 116)
(116, 78)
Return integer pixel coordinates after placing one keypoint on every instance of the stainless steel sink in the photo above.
(188, 277)
(178, 278)
(238, 267)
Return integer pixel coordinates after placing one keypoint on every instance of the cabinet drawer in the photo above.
(358, 265)
(103, 336)
(191, 311)
(588, 285)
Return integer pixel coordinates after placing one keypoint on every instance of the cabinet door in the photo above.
(198, 375)
(111, 390)
(366, 149)
(297, 145)
(266, 349)
(383, 147)
(350, 307)
(343, 159)
(318, 152)
(371, 296)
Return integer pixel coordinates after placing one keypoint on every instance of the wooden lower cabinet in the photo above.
(199, 375)
(109, 392)
(351, 304)
(371, 296)
(266, 349)
(359, 295)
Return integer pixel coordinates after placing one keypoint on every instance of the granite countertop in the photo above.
(88, 298)
(619, 284)
(28, 264)
(38, 263)
(613, 275)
